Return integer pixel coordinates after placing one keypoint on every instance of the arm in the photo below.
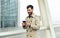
(36, 26)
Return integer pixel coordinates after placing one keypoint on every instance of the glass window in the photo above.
(9, 13)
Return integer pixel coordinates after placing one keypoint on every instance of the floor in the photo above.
(41, 34)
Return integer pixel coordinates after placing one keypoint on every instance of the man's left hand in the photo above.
(27, 24)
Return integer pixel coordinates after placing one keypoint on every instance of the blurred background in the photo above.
(13, 12)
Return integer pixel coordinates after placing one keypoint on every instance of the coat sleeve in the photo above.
(36, 26)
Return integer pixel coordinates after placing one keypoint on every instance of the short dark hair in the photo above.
(30, 6)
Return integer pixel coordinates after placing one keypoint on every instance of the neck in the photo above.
(30, 15)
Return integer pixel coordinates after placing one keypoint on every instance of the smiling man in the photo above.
(32, 23)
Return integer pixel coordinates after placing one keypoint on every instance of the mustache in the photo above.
(29, 12)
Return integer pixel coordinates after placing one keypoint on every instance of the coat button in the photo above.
(31, 21)
(27, 30)
(27, 35)
(30, 36)
(35, 24)
(31, 31)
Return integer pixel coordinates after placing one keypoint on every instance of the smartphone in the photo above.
(24, 26)
(24, 21)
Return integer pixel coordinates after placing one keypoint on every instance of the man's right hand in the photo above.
(23, 24)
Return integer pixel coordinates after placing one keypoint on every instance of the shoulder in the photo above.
(36, 16)
(26, 17)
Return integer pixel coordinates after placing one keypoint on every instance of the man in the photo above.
(32, 23)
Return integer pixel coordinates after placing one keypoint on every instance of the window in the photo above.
(9, 13)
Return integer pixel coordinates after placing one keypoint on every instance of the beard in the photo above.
(30, 13)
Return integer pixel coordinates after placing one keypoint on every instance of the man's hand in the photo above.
(23, 24)
(27, 24)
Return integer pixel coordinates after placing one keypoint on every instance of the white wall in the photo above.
(54, 6)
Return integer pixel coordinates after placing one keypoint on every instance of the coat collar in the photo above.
(33, 15)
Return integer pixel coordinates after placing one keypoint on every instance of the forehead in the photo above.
(29, 8)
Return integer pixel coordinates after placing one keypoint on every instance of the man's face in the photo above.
(30, 11)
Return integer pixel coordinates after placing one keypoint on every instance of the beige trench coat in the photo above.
(32, 31)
